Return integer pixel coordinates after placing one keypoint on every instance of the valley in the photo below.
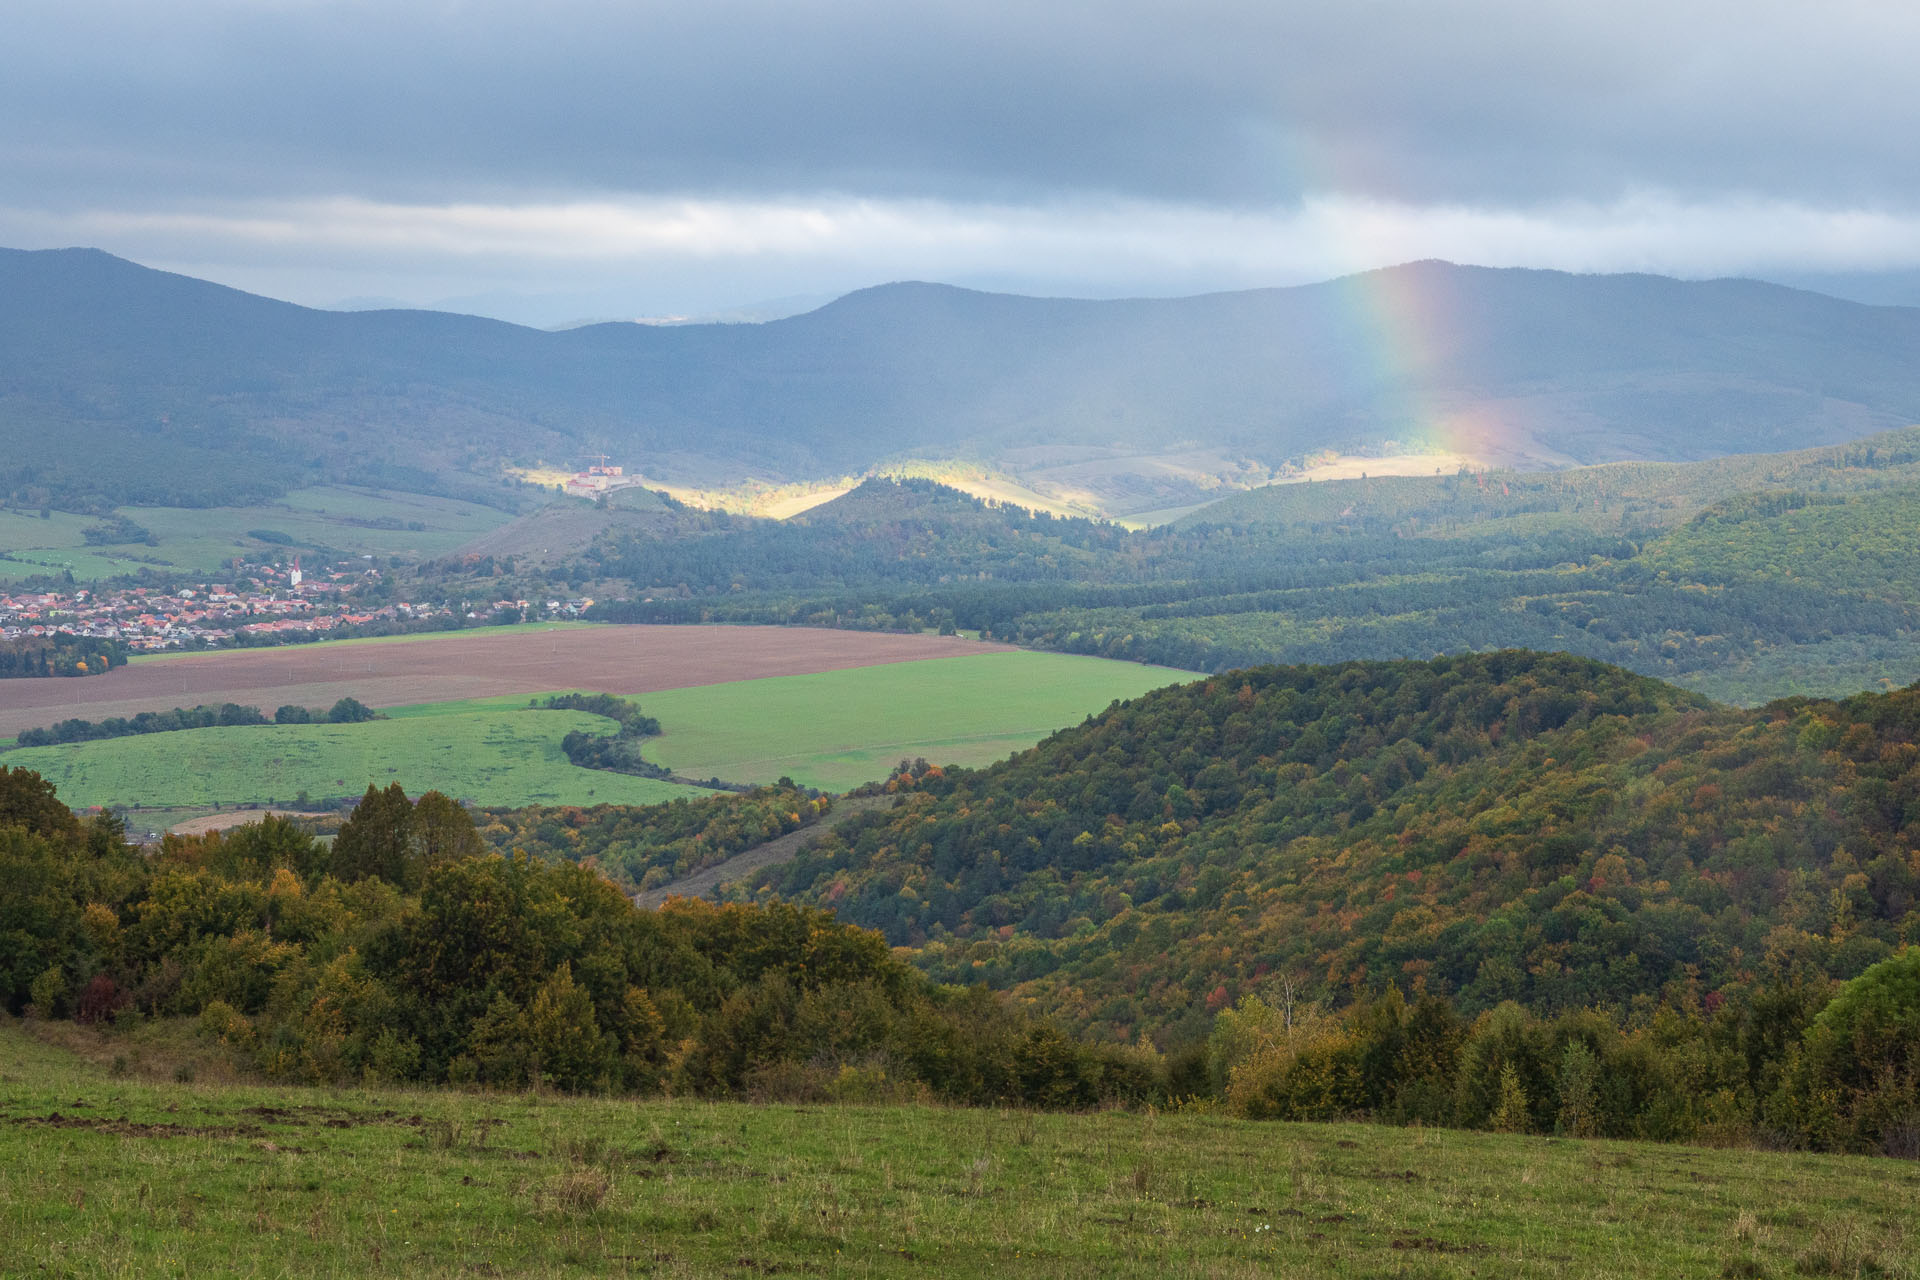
(1371, 783)
(1258, 639)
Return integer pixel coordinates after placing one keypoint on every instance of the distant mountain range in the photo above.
(138, 385)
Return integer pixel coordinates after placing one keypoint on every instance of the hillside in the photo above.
(562, 529)
(1745, 578)
(1621, 495)
(143, 1176)
(1500, 826)
(185, 390)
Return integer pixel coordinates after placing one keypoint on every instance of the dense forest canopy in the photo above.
(405, 952)
(60, 654)
(1511, 826)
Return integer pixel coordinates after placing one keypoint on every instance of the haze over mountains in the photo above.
(139, 385)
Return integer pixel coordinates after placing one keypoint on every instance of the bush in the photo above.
(1861, 1059)
(350, 711)
(48, 993)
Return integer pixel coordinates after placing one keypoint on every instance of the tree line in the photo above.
(61, 654)
(1786, 1066)
(618, 752)
(345, 711)
(405, 952)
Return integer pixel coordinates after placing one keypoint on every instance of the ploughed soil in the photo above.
(466, 664)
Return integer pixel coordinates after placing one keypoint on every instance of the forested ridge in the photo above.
(1509, 826)
(1680, 572)
(186, 393)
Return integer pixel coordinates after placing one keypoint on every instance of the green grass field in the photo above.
(202, 539)
(489, 757)
(833, 730)
(109, 1168)
(838, 729)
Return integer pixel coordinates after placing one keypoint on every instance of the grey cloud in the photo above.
(1479, 101)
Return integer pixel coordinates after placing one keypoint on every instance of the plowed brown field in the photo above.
(608, 659)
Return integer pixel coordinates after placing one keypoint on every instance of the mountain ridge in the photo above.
(1137, 403)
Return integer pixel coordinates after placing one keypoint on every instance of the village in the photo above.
(259, 604)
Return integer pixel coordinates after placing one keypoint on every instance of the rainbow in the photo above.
(1401, 328)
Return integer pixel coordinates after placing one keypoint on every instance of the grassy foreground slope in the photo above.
(105, 1174)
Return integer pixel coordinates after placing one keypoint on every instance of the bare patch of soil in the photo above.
(233, 818)
(123, 1128)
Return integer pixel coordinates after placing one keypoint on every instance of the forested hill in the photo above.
(161, 377)
(1498, 826)
(1680, 571)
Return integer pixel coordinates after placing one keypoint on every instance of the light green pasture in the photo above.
(838, 729)
(833, 730)
(499, 757)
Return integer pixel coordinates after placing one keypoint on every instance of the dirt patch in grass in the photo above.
(120, 1127)
(480, 664)
(1428, 1244)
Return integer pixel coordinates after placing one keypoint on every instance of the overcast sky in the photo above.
(566, 159)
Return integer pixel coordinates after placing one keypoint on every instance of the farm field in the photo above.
(478, 663)
(832, 730)
(837, 729)
(118, 1170)
(202, 539)
(489, 757)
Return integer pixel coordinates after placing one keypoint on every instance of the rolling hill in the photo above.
(1744, 578)
(1533, 827)
(137, 385)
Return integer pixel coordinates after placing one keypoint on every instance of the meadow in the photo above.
(501, 757)
(203, 539)
(110, 1165)
(837, 729)
(832, 730)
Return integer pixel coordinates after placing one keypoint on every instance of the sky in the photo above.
(573, 160)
